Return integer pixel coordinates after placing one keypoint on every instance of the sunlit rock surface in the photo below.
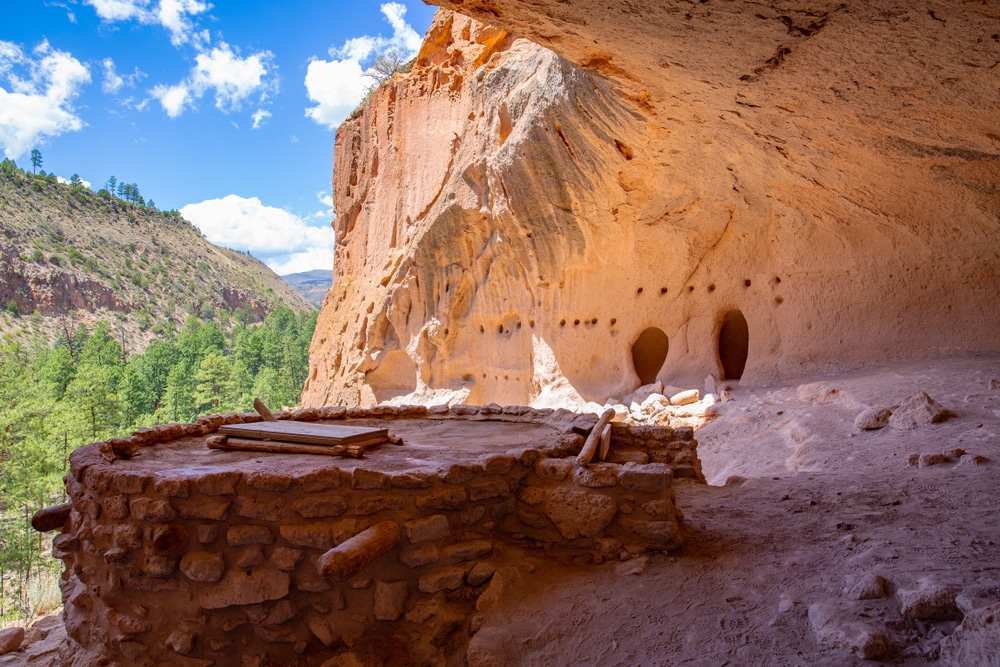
(815, 185)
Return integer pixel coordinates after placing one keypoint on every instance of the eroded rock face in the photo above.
(777, 188)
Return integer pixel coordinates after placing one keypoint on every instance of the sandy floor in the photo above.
(820, 505)
(809, 506)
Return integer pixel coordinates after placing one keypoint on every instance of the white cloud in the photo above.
(233, 80)
(173, 15)
(39, 104)
(65, 181)
(338, 85)
(173, 98)
(300, 262)
(260, 117)
(281, 239)
(326, 199)
(114, 82)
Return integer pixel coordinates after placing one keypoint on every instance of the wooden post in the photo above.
(605, 442)
(353, 555)
(594, 439)
(262, 410)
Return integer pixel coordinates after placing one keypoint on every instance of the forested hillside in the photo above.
(115, 316)
(68, 253)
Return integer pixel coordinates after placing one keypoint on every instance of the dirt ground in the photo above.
(810, 505)
(801, 507)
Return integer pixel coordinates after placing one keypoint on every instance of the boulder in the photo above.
(874, 418)
(976, 642)
(10, 639)
(917, 410)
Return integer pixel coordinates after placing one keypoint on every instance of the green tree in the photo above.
(178, 398)
(112, 184)
(36, 160)
(57, 371)
(76, 181)
(213, 384)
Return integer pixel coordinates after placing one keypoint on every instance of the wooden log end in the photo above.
(353, 555)
(51, 518)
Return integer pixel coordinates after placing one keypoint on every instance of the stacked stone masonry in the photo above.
(215, 564)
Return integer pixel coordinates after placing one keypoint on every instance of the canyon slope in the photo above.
(69, 254)
(562, 201)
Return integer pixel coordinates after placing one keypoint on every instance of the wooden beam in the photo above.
(355, 451)
(51, 518)
(353, 555)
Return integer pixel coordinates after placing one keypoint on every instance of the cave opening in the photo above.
(734, 345)
(649, 351)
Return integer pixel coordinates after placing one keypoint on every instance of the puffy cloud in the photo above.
(174, 15)
(39, 104)
(281, 239)
(339, 84)
(173, 99)
(233, 80)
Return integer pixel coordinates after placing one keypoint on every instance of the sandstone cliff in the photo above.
(747, 189)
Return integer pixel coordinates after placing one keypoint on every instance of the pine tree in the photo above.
(36, 160)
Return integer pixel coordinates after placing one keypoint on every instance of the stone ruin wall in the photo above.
(219, 567)
(510, 222)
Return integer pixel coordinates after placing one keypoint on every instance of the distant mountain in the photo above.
(311, 284)
(69, 253)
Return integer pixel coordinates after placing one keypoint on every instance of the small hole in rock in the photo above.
(663, 290)
(639, 291)
(711, 288)
(747, 282)
(778, 300)
(576, 322)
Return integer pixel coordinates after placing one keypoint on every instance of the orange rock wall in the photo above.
(509, 222)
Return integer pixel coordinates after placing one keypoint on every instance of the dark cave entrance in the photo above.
(734, 345)
(649, 351)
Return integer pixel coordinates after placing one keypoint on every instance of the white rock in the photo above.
(640, 394)
(869, 587)
(686, 397)
(976, 642)
(916, 410)
(873, 418)
(929, 603)
(840, 629)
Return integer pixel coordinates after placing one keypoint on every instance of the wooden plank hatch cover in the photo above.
(307, 432)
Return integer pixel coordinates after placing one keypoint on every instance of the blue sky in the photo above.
(225, 110)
